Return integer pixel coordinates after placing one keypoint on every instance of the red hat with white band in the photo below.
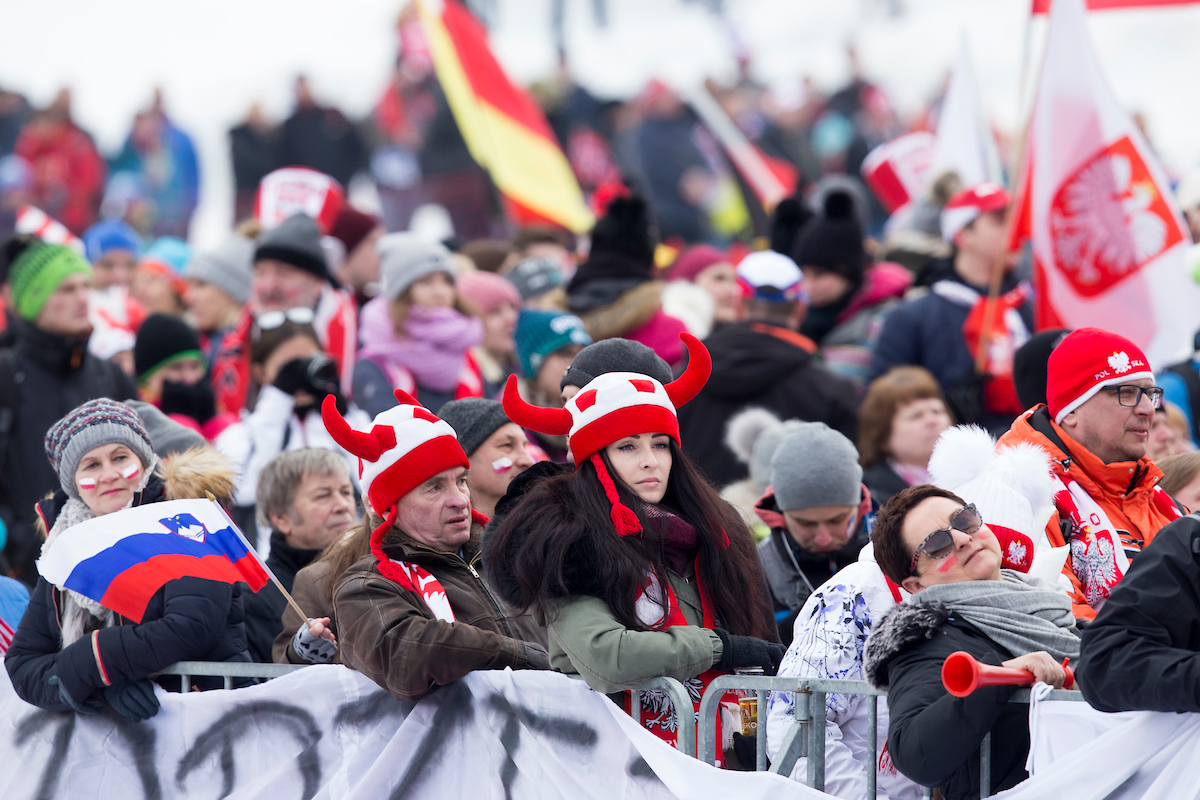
(1086, 361)
(969, 204)
(406, 446)
(610, 407)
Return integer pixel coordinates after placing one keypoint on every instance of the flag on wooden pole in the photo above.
(1108, 239)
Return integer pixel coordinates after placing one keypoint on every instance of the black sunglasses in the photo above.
(940, 543)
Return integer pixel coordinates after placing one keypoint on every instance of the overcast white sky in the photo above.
(214, 59)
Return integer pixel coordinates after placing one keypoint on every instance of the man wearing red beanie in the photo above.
(1101, 399)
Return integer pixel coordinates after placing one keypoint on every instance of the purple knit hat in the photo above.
(91, 425)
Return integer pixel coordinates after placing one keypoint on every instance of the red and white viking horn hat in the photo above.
(406, 446)
(612, 406)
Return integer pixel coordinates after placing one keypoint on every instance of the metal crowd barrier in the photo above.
(227, 670)
(806, 737)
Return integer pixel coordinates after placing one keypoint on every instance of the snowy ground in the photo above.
(214, 59)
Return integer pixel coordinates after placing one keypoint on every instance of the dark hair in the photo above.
(263, 343)
(886, 395)
(891, 553)
(529, 235)
(536, 558)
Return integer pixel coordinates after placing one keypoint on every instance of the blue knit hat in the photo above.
(540, 333)
(110, 234)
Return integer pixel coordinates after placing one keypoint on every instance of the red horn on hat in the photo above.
(552, 421)
(688, 385)
(367, 446)
(405, 399)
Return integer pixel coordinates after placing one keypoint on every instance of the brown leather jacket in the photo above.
(390, 635)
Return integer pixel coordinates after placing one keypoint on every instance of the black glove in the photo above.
(746, 651)
(92, 705)
(746, 750)
(197, 401)
(316, 376)
(134, 699)
(290, 378)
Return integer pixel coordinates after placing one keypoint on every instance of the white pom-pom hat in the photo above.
(1012, 487)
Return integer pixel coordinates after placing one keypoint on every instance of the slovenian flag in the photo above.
(120, 560)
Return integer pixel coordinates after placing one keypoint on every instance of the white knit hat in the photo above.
(1012, 487)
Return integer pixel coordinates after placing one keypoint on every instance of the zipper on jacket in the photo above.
(487, 591)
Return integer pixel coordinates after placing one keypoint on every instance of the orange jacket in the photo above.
(1123, 489)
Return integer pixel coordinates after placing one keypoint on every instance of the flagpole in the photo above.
(997, 274)
(250, 548)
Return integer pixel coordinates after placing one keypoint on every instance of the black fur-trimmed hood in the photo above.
(905, 625)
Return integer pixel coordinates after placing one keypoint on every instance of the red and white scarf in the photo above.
(1098, 556)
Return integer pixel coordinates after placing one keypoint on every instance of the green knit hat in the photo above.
(37, 272)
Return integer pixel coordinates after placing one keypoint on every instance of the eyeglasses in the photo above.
(270, 320)
(1130, 395)
(940, 543)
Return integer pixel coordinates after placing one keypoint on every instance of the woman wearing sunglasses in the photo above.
(939, 548)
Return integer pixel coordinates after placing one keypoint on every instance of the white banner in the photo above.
(1079, 753)
(328, 732)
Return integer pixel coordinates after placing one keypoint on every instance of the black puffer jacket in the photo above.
(934, 737)
(187, 619)
(764, 365)
(1150, 626)
(54, 375)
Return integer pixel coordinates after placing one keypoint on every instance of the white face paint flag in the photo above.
(1108, 238)
(329, 732)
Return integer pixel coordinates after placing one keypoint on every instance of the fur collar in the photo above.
(907, 624)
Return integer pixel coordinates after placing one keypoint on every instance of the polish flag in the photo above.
(1108, 238)
(1043, 6)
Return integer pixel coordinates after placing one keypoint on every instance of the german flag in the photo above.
(505, 130)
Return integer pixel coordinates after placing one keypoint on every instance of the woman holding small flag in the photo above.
(637, 566)
(72, 653)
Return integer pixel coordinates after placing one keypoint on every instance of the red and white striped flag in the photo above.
(6, 636)
(1108, 238)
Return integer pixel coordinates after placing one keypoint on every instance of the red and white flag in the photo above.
(1108, 238)
(1043, 6)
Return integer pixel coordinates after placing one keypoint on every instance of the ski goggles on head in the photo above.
(940, 543)
(270, 320)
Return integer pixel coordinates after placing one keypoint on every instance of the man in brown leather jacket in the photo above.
(416, 613)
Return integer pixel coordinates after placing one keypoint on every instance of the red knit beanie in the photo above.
(1085, 362)
(352, 226)
(693, 261)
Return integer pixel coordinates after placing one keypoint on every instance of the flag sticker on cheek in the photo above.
(130, 472)
(503, 464)
(87, 483)
(947, 564)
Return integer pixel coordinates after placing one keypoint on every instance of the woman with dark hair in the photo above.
(633, 562)
(899, 422)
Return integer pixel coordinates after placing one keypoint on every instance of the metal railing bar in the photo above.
(760, 731)
(685, 715)
(872, 746)
(985, 766)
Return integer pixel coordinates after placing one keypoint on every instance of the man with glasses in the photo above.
(1101, 401)
(939, 548)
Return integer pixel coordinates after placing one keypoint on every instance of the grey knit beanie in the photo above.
(295, 241)
(91, 425)
(534, 277)
(167, 436)
(405, 258)
(474, 420)
(815, 465)
(615, 355)
(229, 267)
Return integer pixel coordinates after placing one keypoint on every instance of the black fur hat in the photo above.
(628, 229)
(834, 240)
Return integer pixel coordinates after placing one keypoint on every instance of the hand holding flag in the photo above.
(121, 559)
